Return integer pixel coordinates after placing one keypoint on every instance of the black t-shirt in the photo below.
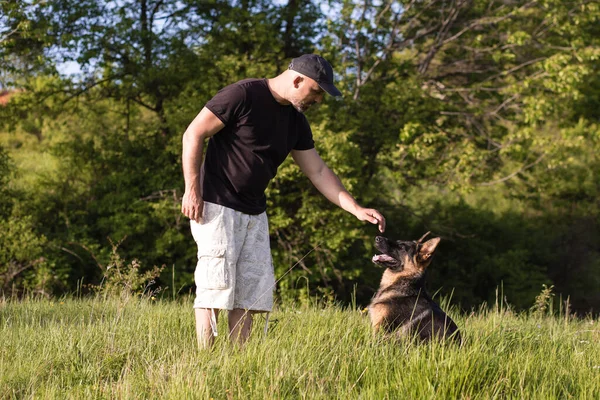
(244, 156)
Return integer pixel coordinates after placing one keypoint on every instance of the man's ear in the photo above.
(297, 80)
(428, 248)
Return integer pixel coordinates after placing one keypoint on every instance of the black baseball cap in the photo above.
(317, 68)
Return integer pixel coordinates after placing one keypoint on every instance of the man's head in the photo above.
(312, 77)
(318, 69)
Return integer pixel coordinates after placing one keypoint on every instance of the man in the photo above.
(252, 125)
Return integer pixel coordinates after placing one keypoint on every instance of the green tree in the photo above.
(146, 69)
(474, 119)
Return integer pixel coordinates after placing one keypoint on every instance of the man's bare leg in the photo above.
(204, 330)
(240, 325)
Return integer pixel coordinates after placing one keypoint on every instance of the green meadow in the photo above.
(475, 120)
(139, 348)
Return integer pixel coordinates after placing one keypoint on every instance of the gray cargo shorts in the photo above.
(235, 267)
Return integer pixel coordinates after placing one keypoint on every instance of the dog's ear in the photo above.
(423, 237)
(428, 248)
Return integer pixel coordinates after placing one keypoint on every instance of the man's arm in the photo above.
(313, 166)
(205, 125)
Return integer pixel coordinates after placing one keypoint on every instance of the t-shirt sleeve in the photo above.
(305, 137)
(228, 103)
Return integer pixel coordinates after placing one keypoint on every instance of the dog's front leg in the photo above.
(378, 315)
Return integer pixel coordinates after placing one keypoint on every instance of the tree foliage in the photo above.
(475, 119)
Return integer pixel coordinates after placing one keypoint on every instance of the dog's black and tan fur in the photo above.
(401, 307)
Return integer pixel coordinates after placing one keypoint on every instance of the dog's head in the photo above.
(409, 256)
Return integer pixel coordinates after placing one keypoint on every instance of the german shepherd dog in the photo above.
(401, 307)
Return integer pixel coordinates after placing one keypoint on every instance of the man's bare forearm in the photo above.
(333, 189)
(191, 160)
(205, 125)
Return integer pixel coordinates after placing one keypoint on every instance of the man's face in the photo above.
(307, 92)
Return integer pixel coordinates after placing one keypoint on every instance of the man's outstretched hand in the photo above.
(373, 216)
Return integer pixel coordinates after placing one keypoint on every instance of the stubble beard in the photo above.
(301, 106)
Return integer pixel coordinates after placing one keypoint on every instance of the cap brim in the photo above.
(329, 88)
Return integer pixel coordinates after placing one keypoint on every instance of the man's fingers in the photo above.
(196, 214)
(186, 210)
(381, 221)
(377, 219)
(191, 210)
(382, 225)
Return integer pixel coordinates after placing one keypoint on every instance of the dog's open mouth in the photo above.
(382, 258)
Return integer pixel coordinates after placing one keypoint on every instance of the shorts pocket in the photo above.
(211, 212)
(211, 270)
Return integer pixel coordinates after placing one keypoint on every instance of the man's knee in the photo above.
(206, 321)
(205, 314)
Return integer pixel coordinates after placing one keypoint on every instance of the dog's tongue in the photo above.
(382, 258)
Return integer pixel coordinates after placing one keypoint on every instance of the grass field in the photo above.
(144, 348)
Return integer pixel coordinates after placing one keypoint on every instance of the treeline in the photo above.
(477, 120)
